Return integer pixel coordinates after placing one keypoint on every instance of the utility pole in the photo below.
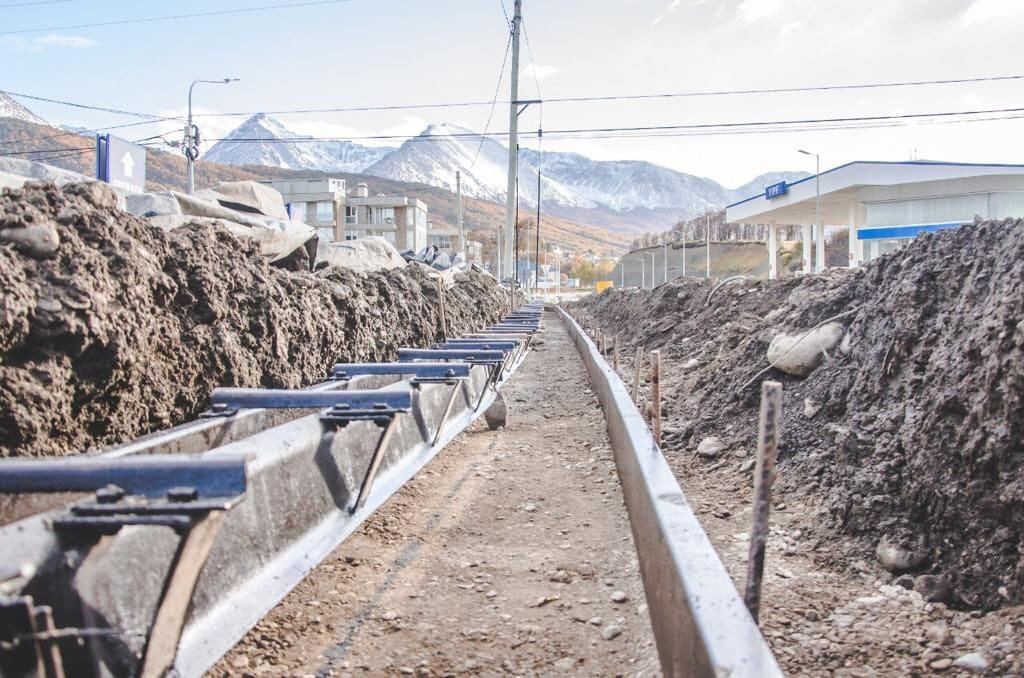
(513, 140)
(536, 250)
(190, 147)
(458, 193)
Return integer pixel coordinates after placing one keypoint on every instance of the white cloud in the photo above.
(43, 42)
(71, 41)
(982, 11)
(754, 10)
(539, 71)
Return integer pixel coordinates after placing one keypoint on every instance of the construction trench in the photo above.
(186, 494)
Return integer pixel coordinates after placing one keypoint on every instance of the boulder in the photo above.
(497, 414)
(712, 446)
(896, 557)
(799, 354)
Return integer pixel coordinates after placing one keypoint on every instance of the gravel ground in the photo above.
(509, 554)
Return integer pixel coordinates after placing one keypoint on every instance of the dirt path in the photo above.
(510, 553)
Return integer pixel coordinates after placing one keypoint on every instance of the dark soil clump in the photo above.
(912, 429)
(110, 328)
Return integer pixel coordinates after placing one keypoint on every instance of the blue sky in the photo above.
(369, 52)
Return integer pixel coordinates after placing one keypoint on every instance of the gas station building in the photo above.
(884, 204)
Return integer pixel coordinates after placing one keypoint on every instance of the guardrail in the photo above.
(700, 623)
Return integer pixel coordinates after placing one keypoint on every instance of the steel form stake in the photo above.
(656, 395)
(637, 362)
(764, 476)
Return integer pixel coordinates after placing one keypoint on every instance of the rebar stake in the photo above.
(764, 476)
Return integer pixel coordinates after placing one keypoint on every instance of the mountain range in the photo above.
(627, 195)
(255, 142)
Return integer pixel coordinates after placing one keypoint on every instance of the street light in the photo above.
(191, 146)
(820, 246)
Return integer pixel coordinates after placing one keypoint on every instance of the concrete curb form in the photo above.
(302, 483)
(700, 623)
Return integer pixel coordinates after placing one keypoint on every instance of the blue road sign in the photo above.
(121, 163)
(776, 190)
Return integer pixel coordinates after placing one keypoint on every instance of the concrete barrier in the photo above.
(700, 623)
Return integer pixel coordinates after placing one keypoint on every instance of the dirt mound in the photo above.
(912, 430)
(110, 328)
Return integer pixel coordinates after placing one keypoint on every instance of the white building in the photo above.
(317, 202)
(401, 220)
(884, 204)
(324, 203)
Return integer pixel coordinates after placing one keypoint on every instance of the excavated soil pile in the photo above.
(911, 431)
(110, 328)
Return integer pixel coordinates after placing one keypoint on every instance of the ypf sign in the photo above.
(121, 163)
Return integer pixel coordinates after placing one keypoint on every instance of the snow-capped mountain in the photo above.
(568, 180)
(622, 185)
(9, 108)
(439, 151)
(328, 156)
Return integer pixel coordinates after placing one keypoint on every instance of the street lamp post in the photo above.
(819, 250)
(191, 146)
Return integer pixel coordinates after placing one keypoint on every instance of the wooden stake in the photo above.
(764, 476)
(615, 353)
(440, 302)
(656, 395)
(637, 363)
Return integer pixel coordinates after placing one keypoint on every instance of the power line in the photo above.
(494, 102)
(529, 49)
(33, 4)
(80, 132)
(174, 17)
(69, 154)
(45, 150)
(629, 97)
(61, 102)
(787, 90)
(713, 126)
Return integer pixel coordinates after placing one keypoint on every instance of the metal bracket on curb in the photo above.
(193, 511)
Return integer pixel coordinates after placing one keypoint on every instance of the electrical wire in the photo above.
(174, 17)
(81, 132)
(497, 91)
(652, 129)
(73, 104)
(33, 4)
(529, 50)
(624, 97)
(29, 153)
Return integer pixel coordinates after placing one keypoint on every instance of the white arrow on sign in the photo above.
(129, 164)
